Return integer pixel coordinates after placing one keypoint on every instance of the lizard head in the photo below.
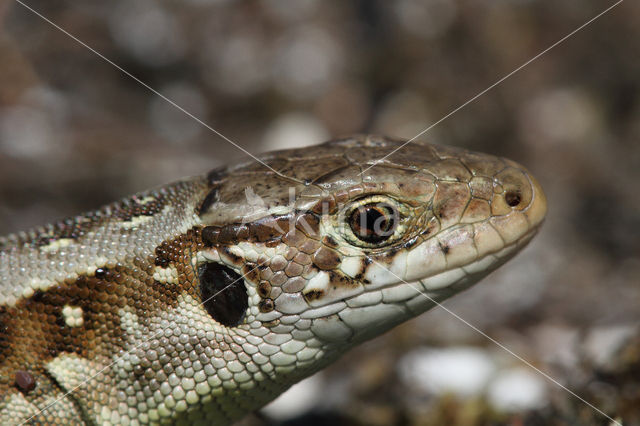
(319, 248)
(204, 299)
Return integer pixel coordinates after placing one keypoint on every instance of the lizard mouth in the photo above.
(379, 309)
(416, 296)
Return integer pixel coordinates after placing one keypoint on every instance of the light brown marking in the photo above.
(293, 269)
(476, 210)
(326, 258)
(450, 201)
(481, 187)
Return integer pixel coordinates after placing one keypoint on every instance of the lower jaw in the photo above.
(436, 288)
(386, 307)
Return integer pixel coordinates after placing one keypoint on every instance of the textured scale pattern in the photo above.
(103, 319)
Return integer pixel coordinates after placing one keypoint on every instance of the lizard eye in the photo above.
(373, 222)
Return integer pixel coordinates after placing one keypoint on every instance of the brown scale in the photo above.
(264, 289)
(77, 226)
(450, 200)
(34, 331)
(174, 251)
(304, 237)
(266, 305)
(326, 259)
(272, 243)
(178, 253)
(302, 259)
(315, 170)
(278, 279)
(71, 228)
(293, 239)
(309, 247)
(308, 252)
(132, 207)
(451, 169)
(309, 224)
(294, 285)
(251, 272)
(278, 263)
(293, 269)
(268, 229)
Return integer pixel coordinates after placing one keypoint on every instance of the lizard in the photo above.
(200, 301)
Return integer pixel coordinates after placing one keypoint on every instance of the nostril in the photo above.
(512, 198)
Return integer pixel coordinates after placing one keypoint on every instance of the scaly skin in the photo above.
(203, 300)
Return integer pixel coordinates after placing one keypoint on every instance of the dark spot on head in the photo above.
(309, 224)
(100, 273)
(223, 293)
(264, 288)
(60, 322)
(250, 273)
(161, 261)
(512, 198)
(263, 230)
(25, 381)
(339, 279)
(232, 256)
(313, 295)
(272, 323)
(329, 241)
(409, 244)
(229, 234)
(132, 207)
(208, 201)
(266, 305)
(445, 248)
(210, 235)
(37, 296)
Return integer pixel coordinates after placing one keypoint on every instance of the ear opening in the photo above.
(223, 292)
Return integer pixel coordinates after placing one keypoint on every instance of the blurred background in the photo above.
(75, 133)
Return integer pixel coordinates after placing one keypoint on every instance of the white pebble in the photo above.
(462, 370)
(517, 389)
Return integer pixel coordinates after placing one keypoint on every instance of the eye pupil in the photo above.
(372, 215)
(373, 223)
